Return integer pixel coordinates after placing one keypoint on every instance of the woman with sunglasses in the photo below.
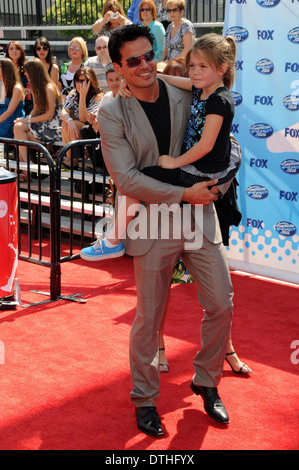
(11, 99)
(78, 54)
(43, 123)
(148, 17)
(113, 16)
(83, 100)
(16, 53)
(43, 51)
(180, 34)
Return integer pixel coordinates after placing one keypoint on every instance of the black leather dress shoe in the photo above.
(148, 421)
(212, 402)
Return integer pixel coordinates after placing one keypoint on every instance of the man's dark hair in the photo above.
(125, 34)
(109, 69)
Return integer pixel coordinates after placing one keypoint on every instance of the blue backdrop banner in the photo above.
(266, 124)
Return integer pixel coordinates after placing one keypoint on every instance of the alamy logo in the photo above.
(166, 222)
(295, 354)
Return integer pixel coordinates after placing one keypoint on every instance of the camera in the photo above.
(114, 15)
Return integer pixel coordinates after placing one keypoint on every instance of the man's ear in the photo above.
(117, 68)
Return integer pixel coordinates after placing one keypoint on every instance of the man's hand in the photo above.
(200, 193)
(167, 161)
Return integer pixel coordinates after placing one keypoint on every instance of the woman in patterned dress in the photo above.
(43, 123)
(179, 35)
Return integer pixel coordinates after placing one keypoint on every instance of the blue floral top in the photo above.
(221, 103)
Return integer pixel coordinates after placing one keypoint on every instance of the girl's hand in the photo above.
(123, 91)
(166, 161)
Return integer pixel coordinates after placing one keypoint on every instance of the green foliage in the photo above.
(75, 12)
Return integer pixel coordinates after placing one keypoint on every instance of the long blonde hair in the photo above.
(219, 50)
(39, 79)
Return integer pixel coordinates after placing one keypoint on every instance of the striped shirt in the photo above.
(100, 70)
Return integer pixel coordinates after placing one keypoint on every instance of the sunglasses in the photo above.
(39, 48)
(99, 48)
(81, 80)
(75, 48)
(133, 62)
(172, 10)
(145, 9)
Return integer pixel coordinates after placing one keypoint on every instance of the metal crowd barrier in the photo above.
(50, 199)
(88, 200)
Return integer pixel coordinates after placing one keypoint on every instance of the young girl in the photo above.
(12, 98)
(43, 123)
(206, 147)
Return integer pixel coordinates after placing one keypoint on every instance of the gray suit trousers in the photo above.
(153, 273)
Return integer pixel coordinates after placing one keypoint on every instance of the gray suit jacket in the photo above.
(129, 144)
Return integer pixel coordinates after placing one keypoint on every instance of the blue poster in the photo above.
(266, 124)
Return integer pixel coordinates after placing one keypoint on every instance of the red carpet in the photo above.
(65, 382)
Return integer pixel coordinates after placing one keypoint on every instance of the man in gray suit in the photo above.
(135, 132)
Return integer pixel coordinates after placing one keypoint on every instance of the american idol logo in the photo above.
(236, 97)
(291, 102)
(287, 229)
(293, 35)
(256, 191)
(238, 33)
(264, 66)
(290, 166)
(267, 3)
(261, 130)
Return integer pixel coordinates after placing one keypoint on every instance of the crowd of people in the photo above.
(44, 103)
(36, 114)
